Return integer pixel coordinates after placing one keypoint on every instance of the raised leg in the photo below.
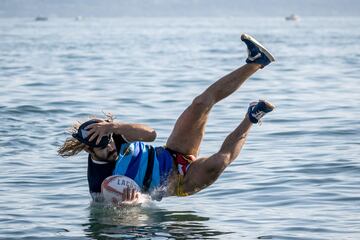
(189, 129)
(204, 171)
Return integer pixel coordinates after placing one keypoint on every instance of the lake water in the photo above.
(298, 176)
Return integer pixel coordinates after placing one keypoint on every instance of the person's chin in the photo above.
(112, 157)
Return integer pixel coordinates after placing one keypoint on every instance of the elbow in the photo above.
(152, 135)
(148, 136)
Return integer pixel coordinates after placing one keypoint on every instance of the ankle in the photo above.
(255, 66)
(247, 119)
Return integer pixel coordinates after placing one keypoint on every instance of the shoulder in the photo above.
(97, 172)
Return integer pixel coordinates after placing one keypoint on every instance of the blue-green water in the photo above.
(297, 177)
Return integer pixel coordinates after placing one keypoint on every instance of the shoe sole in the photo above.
(259, 45)
(268, 104)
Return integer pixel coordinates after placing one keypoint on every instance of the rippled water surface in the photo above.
(297, 177)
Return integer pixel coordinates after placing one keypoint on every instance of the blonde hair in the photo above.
(72, 146)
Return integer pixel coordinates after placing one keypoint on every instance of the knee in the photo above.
(203, 102)
(204, 172)
(218, 164)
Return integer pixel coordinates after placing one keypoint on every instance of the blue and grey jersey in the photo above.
(148, 166)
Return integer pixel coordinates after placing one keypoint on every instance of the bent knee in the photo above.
(207, 170)
(217, 163)
(203, 102)
(204, 172)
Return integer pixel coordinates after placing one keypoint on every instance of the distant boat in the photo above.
(41, 18)
(292, 17)
(78, 18)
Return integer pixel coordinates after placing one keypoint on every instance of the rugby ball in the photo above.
(113, 187)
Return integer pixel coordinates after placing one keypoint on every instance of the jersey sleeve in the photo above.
(97, 172)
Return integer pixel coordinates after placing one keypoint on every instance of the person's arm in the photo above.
(130, 131)
(134, 132)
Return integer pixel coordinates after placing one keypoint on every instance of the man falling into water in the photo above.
(118, 148)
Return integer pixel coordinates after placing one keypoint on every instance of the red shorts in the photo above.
(183, 162)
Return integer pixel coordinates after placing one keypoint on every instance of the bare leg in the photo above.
(189, 129)
(204, 171)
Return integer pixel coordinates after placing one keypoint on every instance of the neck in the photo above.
(95, 157)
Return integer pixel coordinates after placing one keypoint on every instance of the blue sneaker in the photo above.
(257, 52)
(258, 109)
